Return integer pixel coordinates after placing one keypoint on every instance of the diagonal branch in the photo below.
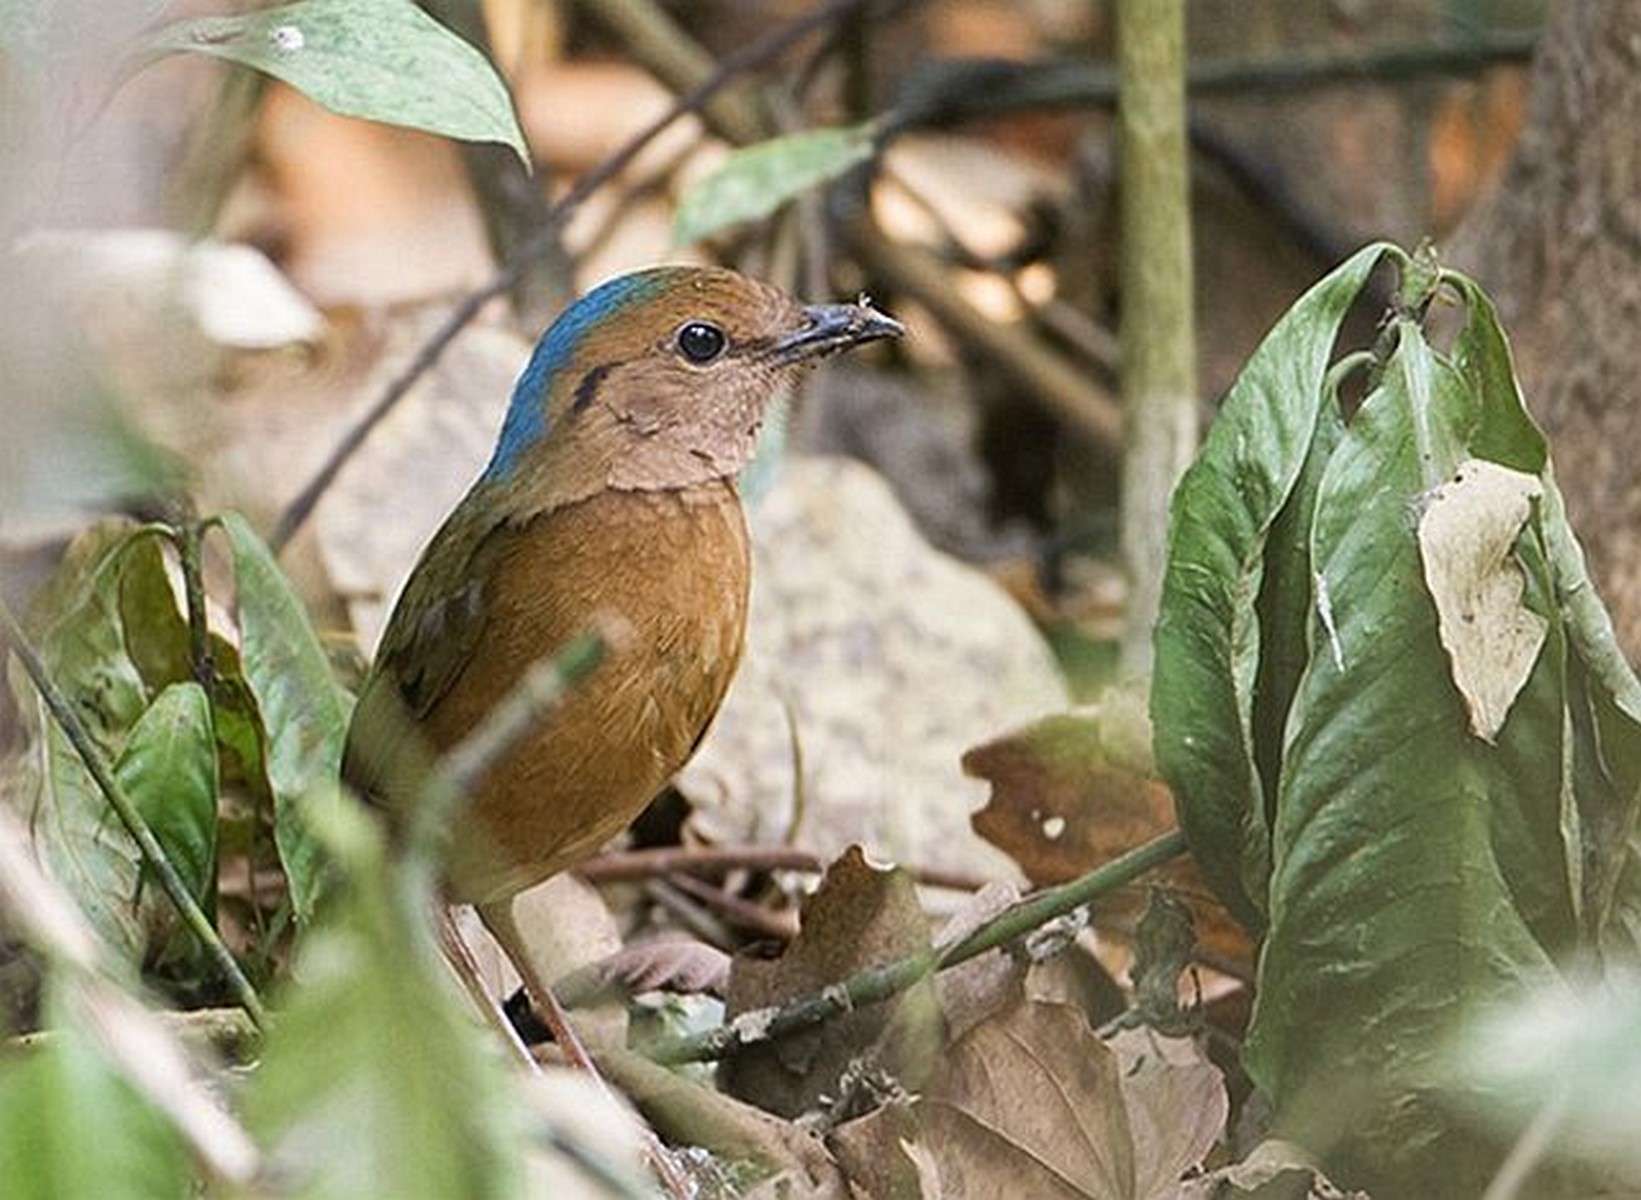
(876, 984)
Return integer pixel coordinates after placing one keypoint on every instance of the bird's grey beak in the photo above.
(830, 328)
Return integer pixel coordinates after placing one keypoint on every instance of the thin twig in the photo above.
(744, 914)
(154, 856)
(880, 983)
(621, 866)
(952, 91)
(296, 514)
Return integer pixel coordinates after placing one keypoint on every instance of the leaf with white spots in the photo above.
(383, 60)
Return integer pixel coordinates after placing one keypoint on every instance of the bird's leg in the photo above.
(498, 918)
(460, 956)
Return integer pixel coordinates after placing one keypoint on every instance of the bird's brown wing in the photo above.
(430, 639)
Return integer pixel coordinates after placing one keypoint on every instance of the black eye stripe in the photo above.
(700, 342)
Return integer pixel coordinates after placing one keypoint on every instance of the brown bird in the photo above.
(610, 502)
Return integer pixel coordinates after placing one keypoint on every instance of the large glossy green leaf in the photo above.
(169, 769)
(1417, 870)
(70, 1125)
(1603, 693)
(385, 60)
(1208, 637)
(304, 711)
(754, 181)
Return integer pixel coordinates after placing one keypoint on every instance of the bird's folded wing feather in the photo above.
(431, 637)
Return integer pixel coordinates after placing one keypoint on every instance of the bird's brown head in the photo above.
(660, 379)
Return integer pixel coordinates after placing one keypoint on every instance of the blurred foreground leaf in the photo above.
(1568, 1058)
(374, 1081)
(70, 1125)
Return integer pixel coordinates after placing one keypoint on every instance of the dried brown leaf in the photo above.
(1467, 539)
(669, 962)
(1069, 792)
(860, 917)
(1177, 1107)
(1267, 1163)
(1029, 1103)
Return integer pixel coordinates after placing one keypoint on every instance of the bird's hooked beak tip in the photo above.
(831, 328)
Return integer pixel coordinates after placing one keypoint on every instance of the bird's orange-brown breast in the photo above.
(667, 571)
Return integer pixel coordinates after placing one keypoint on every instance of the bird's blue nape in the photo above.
(526, 420)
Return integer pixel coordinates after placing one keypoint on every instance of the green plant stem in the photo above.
(1157, 333)
(153, 853)
(877, 984)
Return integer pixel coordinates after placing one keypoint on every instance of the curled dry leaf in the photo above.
(860, 917)
(1467, 538)
(672, 962)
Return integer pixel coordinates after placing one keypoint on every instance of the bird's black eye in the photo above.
(701, 341)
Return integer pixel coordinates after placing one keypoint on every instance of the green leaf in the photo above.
(70, 1125)
(76, 625)
(155, 630)
(169, 769)
(384, 60)
(1603, 693)
(380, 1112)
(304, 711)
(1416, 869)
(1208, 636)
(756, 180)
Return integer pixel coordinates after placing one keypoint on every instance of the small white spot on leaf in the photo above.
(1324, 609)
(1467, 539)
(287, 39)
(1054, 828)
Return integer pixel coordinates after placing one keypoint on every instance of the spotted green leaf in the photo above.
(385, 60)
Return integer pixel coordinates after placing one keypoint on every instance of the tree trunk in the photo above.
(1558, 245)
